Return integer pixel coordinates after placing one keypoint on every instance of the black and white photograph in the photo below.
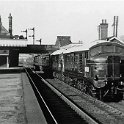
(61, 62)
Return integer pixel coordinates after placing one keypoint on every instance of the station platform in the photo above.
(18, 103)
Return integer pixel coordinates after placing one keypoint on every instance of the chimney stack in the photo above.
(103, 30)
(10, 25)
(115, 26)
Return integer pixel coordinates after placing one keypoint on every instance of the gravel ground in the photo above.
(118, 105)
(99, 110)
(12, 109)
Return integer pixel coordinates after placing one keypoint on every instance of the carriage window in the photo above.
(72, 57)
(76, 58)
(86, 55)
(56, 58)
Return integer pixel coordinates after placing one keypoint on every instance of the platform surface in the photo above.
(18, 104)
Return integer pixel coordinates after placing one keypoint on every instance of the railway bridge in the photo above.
(11, 48)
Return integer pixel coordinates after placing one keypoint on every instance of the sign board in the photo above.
(86, 69)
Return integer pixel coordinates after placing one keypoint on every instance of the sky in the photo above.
(51, 18)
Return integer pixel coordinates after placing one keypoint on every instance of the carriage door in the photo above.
(113, 66)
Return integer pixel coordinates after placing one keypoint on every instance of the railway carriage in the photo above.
(69, 62)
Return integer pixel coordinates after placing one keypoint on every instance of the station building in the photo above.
(9, 45)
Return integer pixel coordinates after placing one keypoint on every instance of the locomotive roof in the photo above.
(112, 39)
(105, 43)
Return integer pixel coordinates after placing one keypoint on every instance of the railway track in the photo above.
(103, 112)
(56, 107)
(117, 105)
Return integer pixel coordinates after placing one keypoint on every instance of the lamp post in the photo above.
(33, 29)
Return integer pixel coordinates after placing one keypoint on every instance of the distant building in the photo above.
(4, 33)
(103, 29)
(62, 41)
(9, 45)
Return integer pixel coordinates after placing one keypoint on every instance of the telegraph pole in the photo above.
(33, 29)
(40, 41)
(25, 32)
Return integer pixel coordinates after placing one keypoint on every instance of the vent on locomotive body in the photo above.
(113, 67)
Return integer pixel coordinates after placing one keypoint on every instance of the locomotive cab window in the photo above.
(108, 48)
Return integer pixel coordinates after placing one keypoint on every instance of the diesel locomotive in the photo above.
(96, 69)
(106, 63)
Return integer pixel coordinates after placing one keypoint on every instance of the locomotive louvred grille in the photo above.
(80, 63)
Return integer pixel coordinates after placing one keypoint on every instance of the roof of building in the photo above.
(63, 40)
(4, 33)
(13, 42)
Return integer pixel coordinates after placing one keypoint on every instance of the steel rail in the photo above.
(42, 98)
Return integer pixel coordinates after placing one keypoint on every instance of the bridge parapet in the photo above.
(13, 42)
(41, 48)
(50, 47)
